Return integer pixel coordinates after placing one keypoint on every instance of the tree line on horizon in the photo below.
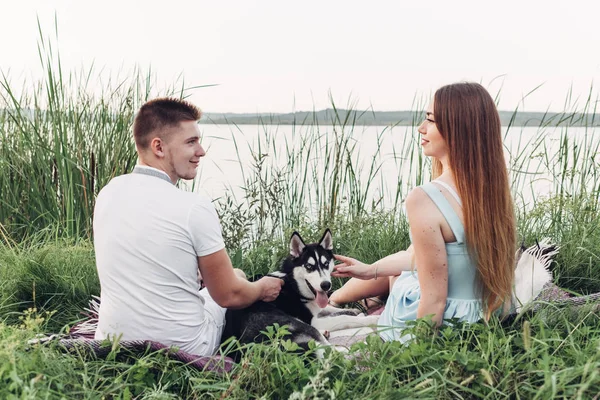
(333, 116)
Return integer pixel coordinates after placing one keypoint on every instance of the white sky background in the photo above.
(279, 56)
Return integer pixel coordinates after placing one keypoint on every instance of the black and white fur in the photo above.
(532, 272)
(302, 303)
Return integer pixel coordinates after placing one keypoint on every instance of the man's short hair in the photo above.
(156, 115)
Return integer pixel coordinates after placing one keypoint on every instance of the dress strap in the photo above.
(450, 190)
(446, 209)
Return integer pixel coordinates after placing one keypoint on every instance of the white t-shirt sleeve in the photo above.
(205, 228)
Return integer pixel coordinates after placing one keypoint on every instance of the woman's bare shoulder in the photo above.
(419, 206)
(417, 198)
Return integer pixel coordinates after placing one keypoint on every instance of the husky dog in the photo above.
(302, 304)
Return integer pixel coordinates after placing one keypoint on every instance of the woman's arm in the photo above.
(430, 254)
(395, 264)
(391, 265)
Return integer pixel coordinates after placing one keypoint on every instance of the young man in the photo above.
(151, 238)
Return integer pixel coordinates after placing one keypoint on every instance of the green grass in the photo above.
(60, 144)
(552, 354)
(530, 359)
(59, 277)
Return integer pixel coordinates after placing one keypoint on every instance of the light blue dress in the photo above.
(462, 302)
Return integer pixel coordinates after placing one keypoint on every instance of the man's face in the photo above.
(183, 151)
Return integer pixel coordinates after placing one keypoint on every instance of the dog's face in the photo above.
(312, 266)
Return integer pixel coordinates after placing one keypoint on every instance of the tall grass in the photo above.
(61, 141)
(313, 175)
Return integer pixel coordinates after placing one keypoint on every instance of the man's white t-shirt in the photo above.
(147, 237)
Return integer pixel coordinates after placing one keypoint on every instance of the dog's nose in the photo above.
(325, 285)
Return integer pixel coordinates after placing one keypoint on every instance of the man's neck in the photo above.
(156, 166)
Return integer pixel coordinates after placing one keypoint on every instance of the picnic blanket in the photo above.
(81, 337)
(533, 289)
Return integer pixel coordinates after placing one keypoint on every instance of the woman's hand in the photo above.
(351, 268)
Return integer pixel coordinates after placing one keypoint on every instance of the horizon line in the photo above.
(381, 111)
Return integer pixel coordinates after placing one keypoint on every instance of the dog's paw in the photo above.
(341, 349)
(370, 320)
(320, 353)
(352, 312)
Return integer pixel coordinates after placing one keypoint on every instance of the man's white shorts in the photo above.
(212, 329)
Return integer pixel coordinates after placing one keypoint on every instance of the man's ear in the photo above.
(157, 147)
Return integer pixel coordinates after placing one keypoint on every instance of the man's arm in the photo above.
(230, 291)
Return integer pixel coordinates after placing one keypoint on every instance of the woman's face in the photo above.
(434, 145)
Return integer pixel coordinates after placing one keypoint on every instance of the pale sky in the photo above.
(277, 56)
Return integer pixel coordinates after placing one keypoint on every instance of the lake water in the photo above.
(532, 155)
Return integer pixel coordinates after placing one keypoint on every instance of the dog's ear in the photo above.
(326, 241)
(296, 245)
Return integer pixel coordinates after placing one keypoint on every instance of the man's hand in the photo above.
(270, 287)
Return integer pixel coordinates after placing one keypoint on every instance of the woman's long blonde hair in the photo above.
(467, 118)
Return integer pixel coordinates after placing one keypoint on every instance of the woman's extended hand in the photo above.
(351, 268)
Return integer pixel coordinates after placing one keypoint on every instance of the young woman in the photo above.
(462, 224)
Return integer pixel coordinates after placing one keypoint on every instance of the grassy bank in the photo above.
(529, 361)
(59, 275)
(60, 144)
(61, 141)
(554, 354)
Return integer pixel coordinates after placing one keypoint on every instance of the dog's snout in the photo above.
(325, 285)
